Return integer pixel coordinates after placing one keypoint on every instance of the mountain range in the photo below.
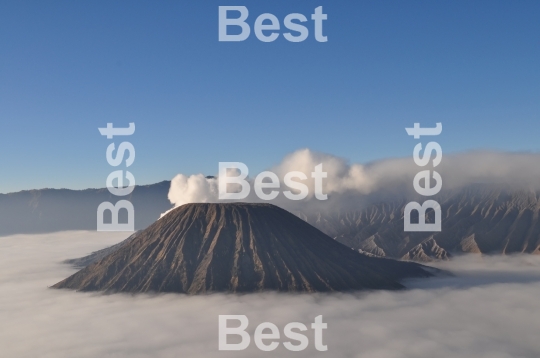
(50, 210)
(475, 219)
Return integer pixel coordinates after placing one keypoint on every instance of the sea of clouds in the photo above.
(490, 308)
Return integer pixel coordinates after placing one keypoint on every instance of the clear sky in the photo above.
(69, 67)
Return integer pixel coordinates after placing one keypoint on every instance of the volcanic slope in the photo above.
(237, 247)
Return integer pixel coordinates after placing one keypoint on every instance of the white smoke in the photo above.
(342, 177)
(348, 182)
(193, 189)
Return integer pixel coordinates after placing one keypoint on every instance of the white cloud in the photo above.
(349, 184)
(342, 176)
(489, 309)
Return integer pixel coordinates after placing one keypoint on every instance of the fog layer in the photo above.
(490, 308)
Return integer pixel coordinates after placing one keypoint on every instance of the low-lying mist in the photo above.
(489, 308)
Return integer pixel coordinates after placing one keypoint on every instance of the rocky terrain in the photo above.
(477, 219)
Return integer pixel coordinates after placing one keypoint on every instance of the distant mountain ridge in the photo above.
(50, 210)
(237, 247)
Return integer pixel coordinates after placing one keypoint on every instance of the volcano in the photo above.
(237, 247)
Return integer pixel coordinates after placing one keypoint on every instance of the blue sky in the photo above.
(69, 67)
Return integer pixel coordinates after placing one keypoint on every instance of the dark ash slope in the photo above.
(200, 248)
